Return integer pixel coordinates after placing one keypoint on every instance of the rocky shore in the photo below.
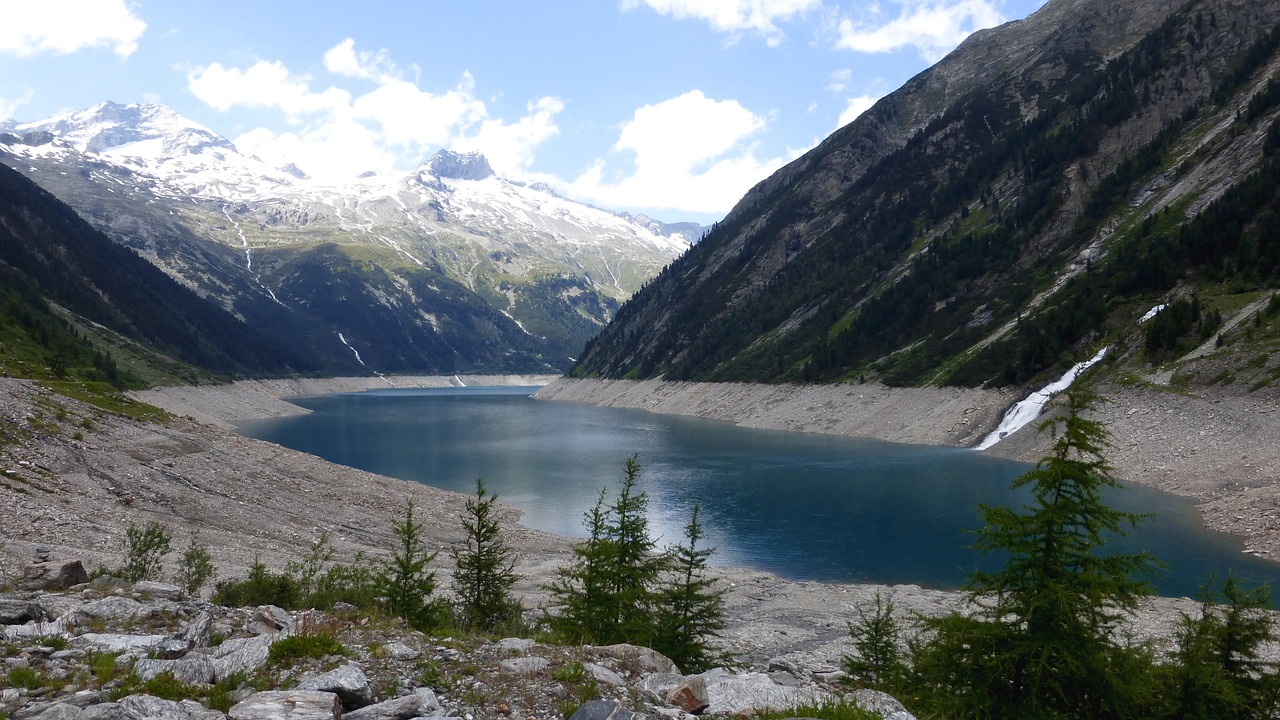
(77, 477)
(1220, 446)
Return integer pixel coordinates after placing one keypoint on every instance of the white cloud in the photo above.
(690, 153)
(932, 27)
(854, 107)
(733, 16)
(65, 26)
(342, 59)
(338, 134)
(9, 108)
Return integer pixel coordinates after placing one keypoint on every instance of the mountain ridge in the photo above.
(948, 235)
(463, 270)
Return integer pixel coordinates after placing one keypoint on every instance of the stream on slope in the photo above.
(805, 506)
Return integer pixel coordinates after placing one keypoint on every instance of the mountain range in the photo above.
(448, 268)
(1100, 174)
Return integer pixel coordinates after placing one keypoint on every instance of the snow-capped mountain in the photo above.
(552, 268)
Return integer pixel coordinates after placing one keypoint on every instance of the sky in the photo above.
(673, 108)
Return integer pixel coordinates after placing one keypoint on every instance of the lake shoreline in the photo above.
(1218, 447)
(250, 499)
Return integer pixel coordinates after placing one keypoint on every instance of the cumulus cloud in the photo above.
(689, 153)
(733, 16)
(338, 133)
(932, 27)
(854, 107)
(65, 26)
(9, 108)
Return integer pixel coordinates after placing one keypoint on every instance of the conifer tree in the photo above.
(485, 567)
(690, 609)
(1042, 640)
(606, 594)
(407, 583)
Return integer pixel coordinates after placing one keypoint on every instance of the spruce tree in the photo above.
(690, 609)
(1041, 642)
(485, 567)
(606, 593)
(406, 582)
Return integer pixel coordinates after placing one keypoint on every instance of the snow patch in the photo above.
(1028, 410)
(1152, 313)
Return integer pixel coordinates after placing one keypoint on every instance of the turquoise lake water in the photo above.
(805, 506)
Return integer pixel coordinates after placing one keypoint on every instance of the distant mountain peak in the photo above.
(450, 165)
(110, 126)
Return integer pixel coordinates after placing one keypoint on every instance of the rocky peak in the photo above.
(450, 165)
(110, 125)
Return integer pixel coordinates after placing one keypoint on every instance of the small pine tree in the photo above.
(606, 594)
(195, 567)
(878, 663)
(145, 548)
(690, 609)
(1217, 671)
(584, 610)
(407, 584)
(485, 568)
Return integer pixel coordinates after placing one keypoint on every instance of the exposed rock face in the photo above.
(474, 678)
(53, 575)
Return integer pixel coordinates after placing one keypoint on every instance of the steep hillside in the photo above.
(458, 269)
(1002, 215)
(64, 281)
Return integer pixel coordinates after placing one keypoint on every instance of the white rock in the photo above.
(288, 705)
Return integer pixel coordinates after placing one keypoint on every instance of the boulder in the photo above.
(519, 645)
(422, 703)
(199, 632)
(604, 710)
(659, 685)
(103, 711)
(604, 675)
(162, 591)
(882, 704)
(269, 620)
(60, 711)
(109, 608)
(399, 651)
(244, 655)
(728, 693)
(690, 696)
(53, 575)
(146, 707)
(529, 665)
(288, 705)
(117, 643)
(348, 682)
(648, 659)
(171, 648)
(188, 671)
(16, 612)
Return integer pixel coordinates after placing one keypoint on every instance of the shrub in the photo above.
(260, 587)
(195, 567)
(144, 552)
(287, 651)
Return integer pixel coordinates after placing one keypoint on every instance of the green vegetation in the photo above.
(144, 552)
(484, 569)
(195, 567)
(407, 583)
(1042, 636)
(921, 265)
(619, 589)
(288, 651)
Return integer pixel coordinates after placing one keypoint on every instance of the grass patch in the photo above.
(297, 647)
(837, 710)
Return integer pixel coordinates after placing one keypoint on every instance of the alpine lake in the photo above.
(802, 505)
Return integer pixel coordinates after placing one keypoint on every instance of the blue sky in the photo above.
(670, 107)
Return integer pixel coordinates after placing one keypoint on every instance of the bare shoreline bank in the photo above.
(249, 499)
